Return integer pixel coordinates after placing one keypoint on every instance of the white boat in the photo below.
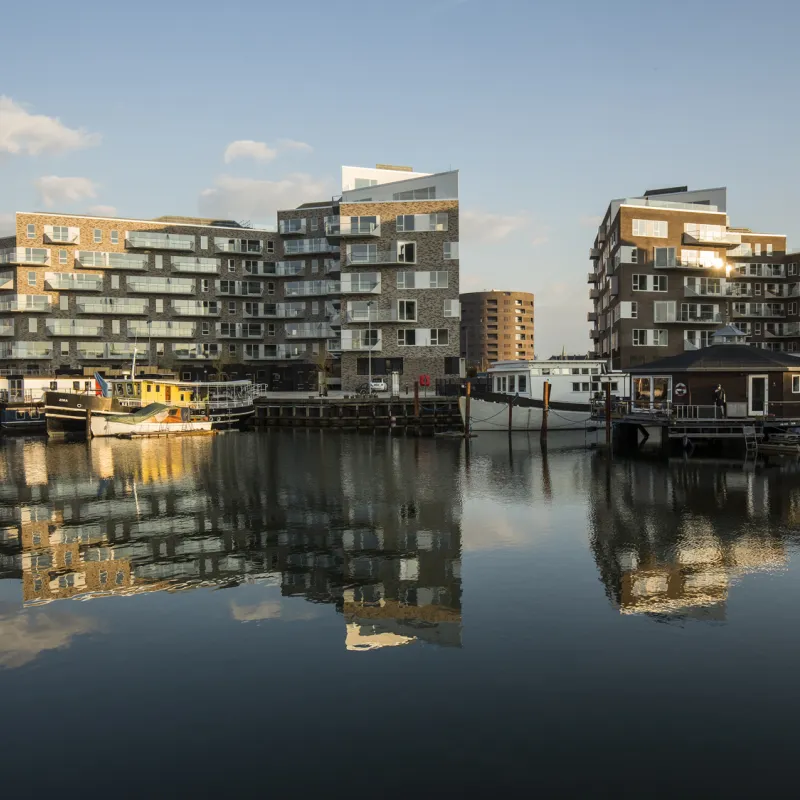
(520, 385)
(155, 419)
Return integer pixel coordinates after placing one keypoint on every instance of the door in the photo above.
(757, 395)
(167, 394)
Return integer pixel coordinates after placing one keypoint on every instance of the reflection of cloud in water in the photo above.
(272, 609)
(25, 635)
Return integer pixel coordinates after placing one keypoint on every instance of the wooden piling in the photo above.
(466, 409)
(608, 413)
(510, 412)
(545, 412)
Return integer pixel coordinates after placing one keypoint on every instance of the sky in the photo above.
(548, 109)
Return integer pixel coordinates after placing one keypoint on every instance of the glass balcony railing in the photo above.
(363, 343)
(196, 308)
(374, 315)
(111, 305)
(347, 227)
(311, 288)
(73, 281)
(66, 327)
(287, 268)
(161, 285)
(395, 256)
(159, 241)
(6, 327)
(26, 302)
(292, 226)
(204, 266)
(305, 246)
(250, 246)
(26, 350)
(25, 255)
(147, 329)
(308, 330)
(95, 259)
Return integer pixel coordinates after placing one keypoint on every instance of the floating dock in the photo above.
(425, 417)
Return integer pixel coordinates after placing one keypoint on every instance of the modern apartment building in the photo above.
(668, 270)
(496, 326)
(367, 281)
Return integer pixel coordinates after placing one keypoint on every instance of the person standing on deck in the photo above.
(720, 401)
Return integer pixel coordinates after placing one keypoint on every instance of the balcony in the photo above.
(73, 281)
(25, 255)
(739, 290)
(334, 345)
(374, 315)
(287, 269)
(240, 288)
(289, 227)
(7, 280)
(594, 253)
(6, 327)
(308, 330)
(195, 308)
(778, 292)
(361, 284)
(289, 351)
(68, 327)
(111, 305)
(94, 259)
(302, 247)
(395, 256)
(759, 310)
(111, 351)
(595, 334)
(330, 266)
(159, 329)
(201, 351)
(592, 277)
(361, 343)
(311, 289)
(723, 239)
(702, 291)
(147, 240)
(161, 285)
(201, 266)
(781, 329)
(58, 234)
(26, 350)
(594, 294)
(245, 246)
(690, 345)
(591, 316)
(704, 319)
(338, 227)
(240, 330)
(26, 302)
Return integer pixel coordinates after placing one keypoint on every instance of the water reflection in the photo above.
(670, 539)
(371, 527)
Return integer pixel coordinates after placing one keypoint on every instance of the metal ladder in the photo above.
(750, 439)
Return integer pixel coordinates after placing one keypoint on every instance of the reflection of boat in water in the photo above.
(155, 419)
(520, 384)
(227, 404)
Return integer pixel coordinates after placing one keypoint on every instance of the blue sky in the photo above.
(548, 109)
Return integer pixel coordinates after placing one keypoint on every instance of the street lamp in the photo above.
(369, 343)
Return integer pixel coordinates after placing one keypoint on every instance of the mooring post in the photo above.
(545, 411)
(608, 413)
(510, 411)
(466, 410)
(416, 399)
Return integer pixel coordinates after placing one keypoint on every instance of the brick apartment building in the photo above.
(496, 326)
(371, 275)
(668, 270)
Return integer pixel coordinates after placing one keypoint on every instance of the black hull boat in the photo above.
(67, 413)
(22, 420)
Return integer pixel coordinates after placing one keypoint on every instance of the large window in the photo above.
(664, 256)
(428, 193)
(640, 283)
(660, 338)
(406, 337)
(659, 283)
(639, 337)
(705, 259)
(650, 227)
(440, 336)
(407, 310)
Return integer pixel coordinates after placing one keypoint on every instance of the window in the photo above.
(659, 283)
(769, 249)
(97, 235)
(640, 283)
(757, 249)
(438, 280)
(205, 328)
(314, 307)
(270, 247)
(660, 338)
(232, 349)
(650, 227)
(365, 183)
(31, 231)
(406, 280)
(639, 337)
(114, 237)
(114, 326)
(159, 262)
(664, 257)
(314, 224)
(270, 329)
(407, 310)
(406, 337)
(32, 325)
(31, 279)
(450, 251)
(231, 265)
(440, 336)
(270, 287)
(792, 309)
(204, 242)
(205, 284)
(757, 288)
(64, 354)
(314, 266)
(416, 194)
(159, 348)
(62, 256)
(523, 383)
(232, 306)
(796, 384)
(115, 281)
(452, 309)
(407, 252)
(634, 309)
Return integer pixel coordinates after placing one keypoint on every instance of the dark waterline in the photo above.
(318, 613)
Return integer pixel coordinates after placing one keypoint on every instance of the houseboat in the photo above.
(574, 383)
(155, 419)
(22, 400)
(227, 404)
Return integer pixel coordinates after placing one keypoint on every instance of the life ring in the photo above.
(680, 390)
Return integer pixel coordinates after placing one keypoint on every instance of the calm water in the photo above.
(311, 613)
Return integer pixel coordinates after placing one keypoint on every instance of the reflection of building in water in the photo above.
(670, 540)
(372, 527)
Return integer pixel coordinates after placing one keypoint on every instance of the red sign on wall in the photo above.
(424, 380)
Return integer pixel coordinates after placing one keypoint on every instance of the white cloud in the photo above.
(247, 198)
(23, 636)
(292, 144)
(103, 211)
(247, 148)
(23, 132)
(54, 190)
(481, 226)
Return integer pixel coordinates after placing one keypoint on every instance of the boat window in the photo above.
(76, 385)
(595, 386)
(576, 371)
(20, 415)
(511, 382)
(523, 383)
(536, 372)
(545, 372)
(158, 388)
(149, 387)
(87, 385)
(641, 392)
(614, 386)
(585, 371)
(54, 384)
(173, 411)
(595, 370)
(497, 383)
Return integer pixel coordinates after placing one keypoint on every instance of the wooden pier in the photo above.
(410, 416)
